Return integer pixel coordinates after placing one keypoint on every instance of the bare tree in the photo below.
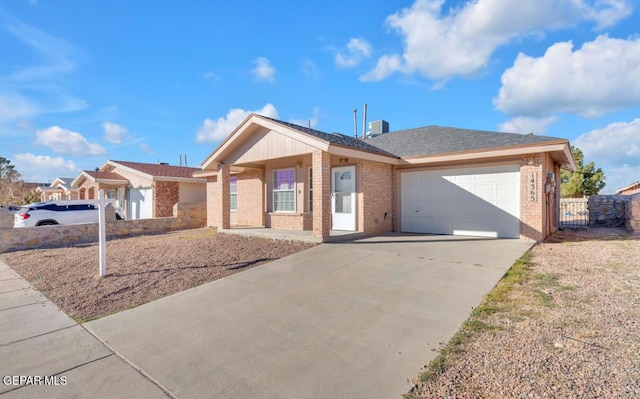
(13, 190)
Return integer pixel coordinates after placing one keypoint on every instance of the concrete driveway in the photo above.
(344, 320)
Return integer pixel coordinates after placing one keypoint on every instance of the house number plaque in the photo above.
(532, 186)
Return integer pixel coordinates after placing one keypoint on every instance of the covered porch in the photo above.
(280, 177)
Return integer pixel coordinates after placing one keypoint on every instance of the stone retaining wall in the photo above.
(633, 213)
(6, 218)
(607, 210)
(186, 216)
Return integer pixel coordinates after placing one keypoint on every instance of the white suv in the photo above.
(59, 212)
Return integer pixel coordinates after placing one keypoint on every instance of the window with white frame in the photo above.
(233, 193)
(284, 193)
(310, 189)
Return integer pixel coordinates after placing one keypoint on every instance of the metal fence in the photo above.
(574, 212)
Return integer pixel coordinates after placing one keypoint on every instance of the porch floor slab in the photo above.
(293, 235)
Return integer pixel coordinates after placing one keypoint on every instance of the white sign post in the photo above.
(102, 233)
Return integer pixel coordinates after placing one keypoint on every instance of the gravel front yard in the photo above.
(140, 269)
(570, 328)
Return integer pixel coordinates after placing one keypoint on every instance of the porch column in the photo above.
(321, 164)
(222, 205)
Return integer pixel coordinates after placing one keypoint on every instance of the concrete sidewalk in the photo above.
(38, 340)
(347, 320)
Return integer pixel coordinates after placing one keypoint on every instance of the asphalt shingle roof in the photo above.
(66, 181)
(428, 140)
(160, 170)
(431, 140)
(337, 138)
(104, 175)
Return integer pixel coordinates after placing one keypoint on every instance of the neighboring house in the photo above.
(60, 189)
(428, 180)
(142, 190)
(630, 189)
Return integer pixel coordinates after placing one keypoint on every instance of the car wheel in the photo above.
(47, 223)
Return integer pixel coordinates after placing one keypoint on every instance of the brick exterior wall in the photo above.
(250, 199)
(165, 195)
(212, 193)
(289, 221)
(321, 162)
(221, 199)
(376, 209)
(531, 198)
(539, 215)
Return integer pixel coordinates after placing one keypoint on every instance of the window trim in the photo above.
(233, 184)
(274, 190)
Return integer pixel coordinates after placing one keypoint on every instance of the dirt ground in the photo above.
(140, 269)
(571, 329)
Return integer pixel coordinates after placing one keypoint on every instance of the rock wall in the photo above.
(633, 213)
(607, 210)
(6, 218)
(186, 216)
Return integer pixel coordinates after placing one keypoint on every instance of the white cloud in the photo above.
(387, 64)
(145, 147)
(309, 68)
(601, 76)
(263, 70)
(37, 88)
(526, 125)
(114, 133)
(620, 176)
(616, 149)
(15, 107)
(219, 129)
(357, 50)
(615, 144)
(461, 41)
(43, 168)
(63, 141)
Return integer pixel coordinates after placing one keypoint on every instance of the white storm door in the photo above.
(343, 198)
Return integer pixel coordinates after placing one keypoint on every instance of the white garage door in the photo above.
(140, 203)
(482, 201)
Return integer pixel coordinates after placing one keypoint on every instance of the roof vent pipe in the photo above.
(355, 123)
(364, 122)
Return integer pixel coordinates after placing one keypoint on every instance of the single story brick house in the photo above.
(142, 190)
(633, 188)
(60, 189)
(436, 180)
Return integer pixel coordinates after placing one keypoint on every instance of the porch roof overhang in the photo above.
(254, 122)
(111, 165)
(112, 179)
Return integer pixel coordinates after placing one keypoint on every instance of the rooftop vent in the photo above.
(377, 128)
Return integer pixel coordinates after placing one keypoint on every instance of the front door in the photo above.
(343, 198)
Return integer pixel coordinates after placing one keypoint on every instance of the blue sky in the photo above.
(83, 82)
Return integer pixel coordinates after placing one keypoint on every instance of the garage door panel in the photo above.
(478, 201)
